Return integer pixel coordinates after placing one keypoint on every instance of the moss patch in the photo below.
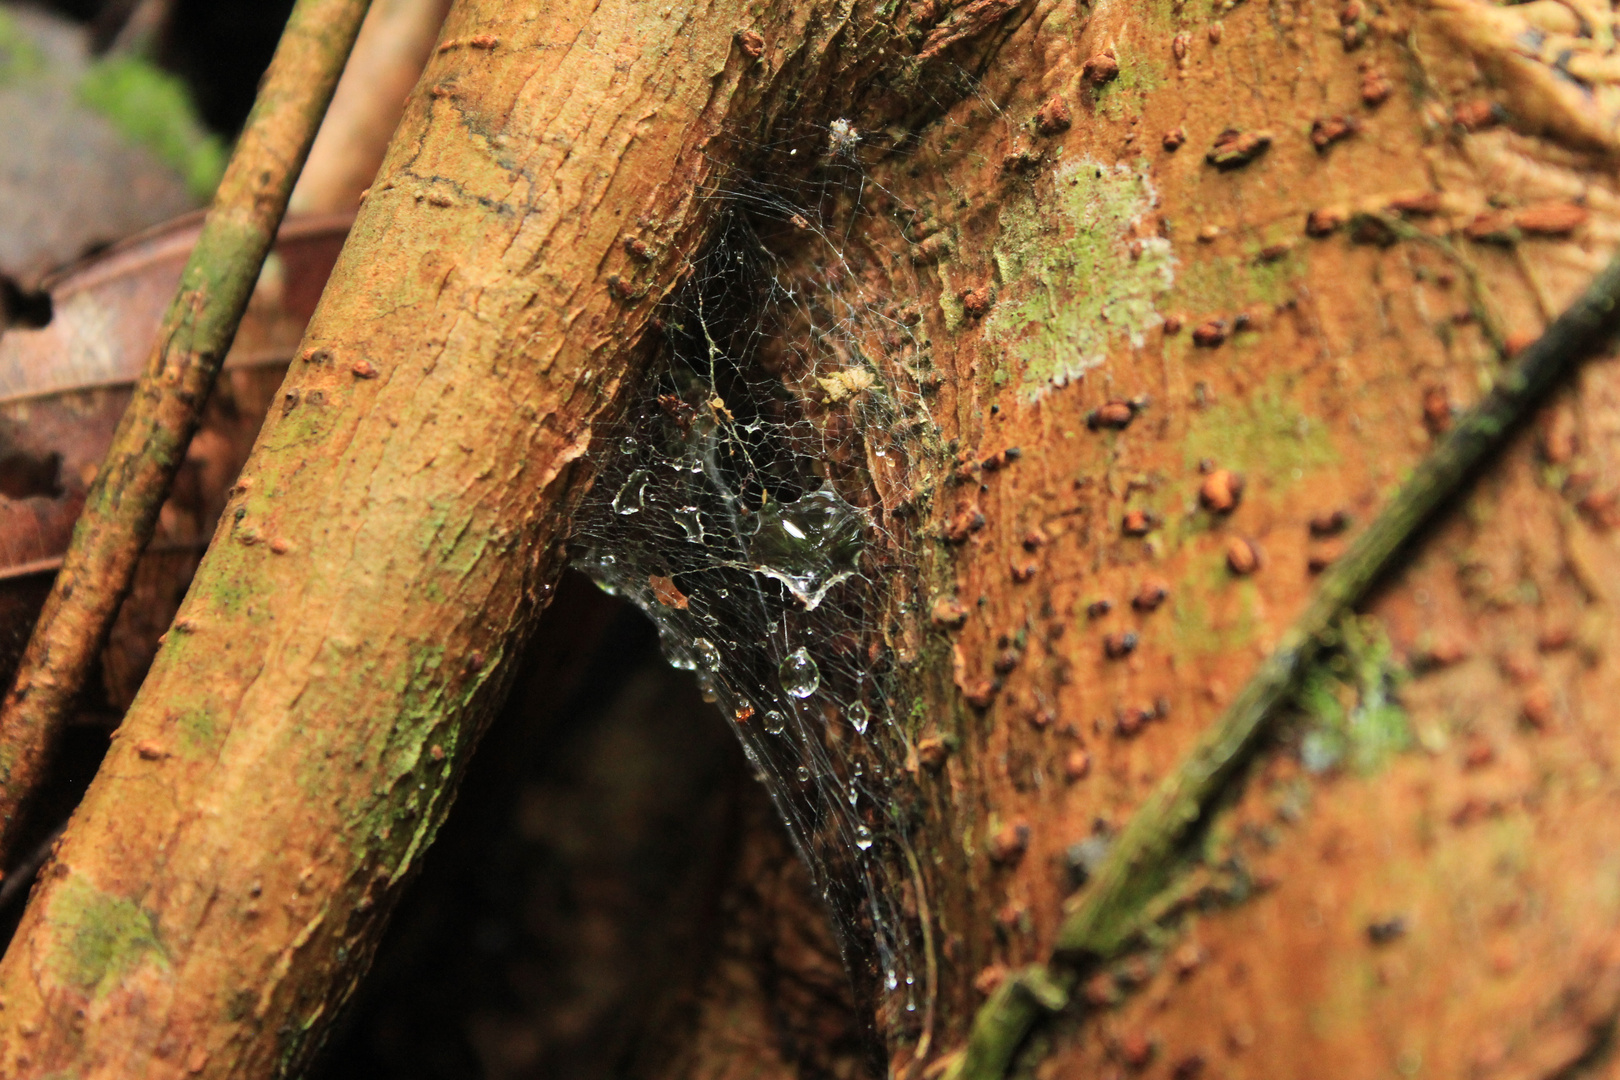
(1071, 289)
(103, 937)
(152, 109)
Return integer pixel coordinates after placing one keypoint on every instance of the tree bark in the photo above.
(399, 525)
(1284, 243)
(1220, 280)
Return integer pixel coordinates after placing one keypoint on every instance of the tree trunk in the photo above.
(1221, 315)
(1141, 312)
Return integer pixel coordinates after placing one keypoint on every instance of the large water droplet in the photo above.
(804, 774)
(707, 655)
(858, 717)
(633, 494)
(800, 676)
(627, 445)
(691, 523)
(809, 544)
(863, 837)
(775, 722)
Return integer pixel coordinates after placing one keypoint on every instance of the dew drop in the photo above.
(863, 840)
(707, 655)
(775, 722)
(633, 494)
(891, 981)
(858, 717)
(804, 774)
(809, 544)
(627, 445)
(800, 676)
(691, 524)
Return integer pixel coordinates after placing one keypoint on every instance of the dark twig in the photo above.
(1110, 914)
(121, 508)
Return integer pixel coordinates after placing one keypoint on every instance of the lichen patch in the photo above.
(103, 938)
(1077, 278)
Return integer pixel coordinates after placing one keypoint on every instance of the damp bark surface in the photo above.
(1223, 279)
(396, 531)
(1194, 292)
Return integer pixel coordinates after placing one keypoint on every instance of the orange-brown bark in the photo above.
(1282, 243)
(298, 739)
(1220, 280)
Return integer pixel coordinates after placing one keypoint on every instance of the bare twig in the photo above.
(1111, 913)
(121, 508)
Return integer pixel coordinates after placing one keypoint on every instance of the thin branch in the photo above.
(121, 508)
(1111, 912)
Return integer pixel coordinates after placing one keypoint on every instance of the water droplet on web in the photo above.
(627, 445)
(691, 524)
(723, 593)
(858, 717)
(632, 495)
(863, 840)
(854, 793)
(707, 655)
(809, 544)
(804, 774)
(800, 676)
(891, 981)
(696, 466)
(775, 722)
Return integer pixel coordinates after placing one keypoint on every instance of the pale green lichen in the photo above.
(1200, 631)
(1263, 431)
(1233, 282)
(1137, 78)
(1072, 288)
(152, 109)
(198, 734)
(103, 937)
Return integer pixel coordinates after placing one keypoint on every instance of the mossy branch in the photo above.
(1110, 913)
(121, 507)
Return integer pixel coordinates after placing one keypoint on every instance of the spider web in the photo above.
(755, 502)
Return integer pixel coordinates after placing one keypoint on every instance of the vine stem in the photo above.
(121, 507)
(1110, 914)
